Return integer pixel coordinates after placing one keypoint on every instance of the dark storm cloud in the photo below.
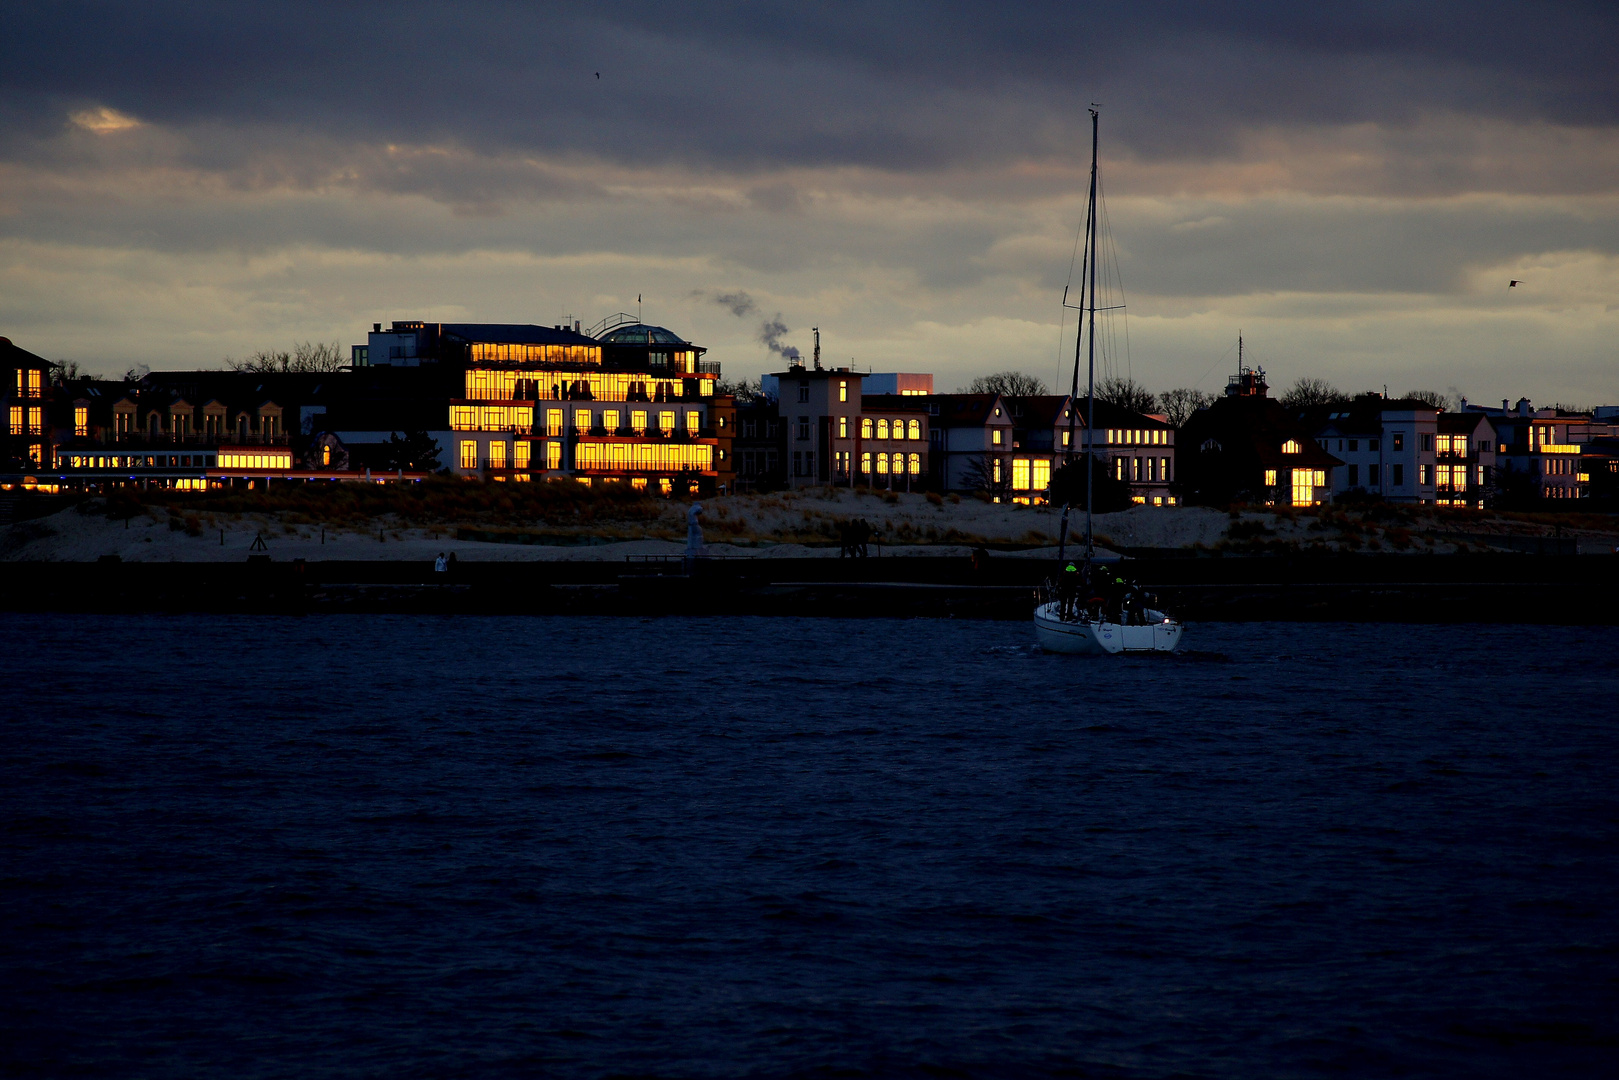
(902, 86)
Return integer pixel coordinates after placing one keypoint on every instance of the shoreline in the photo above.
(1494, 588)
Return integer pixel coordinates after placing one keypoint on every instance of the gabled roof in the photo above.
(966, 410)
(1465, 423)
(1255, 428)
(13, 356)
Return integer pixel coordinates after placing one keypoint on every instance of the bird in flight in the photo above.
(1513, 284)
(598, 74)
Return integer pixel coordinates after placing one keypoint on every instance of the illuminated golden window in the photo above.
(1303, 487)
(882, 429)
(1291, 446)
(553, 455)
(1039, 482)
(882, 464)
(326, 456)
(915, 431)
(81, 420)
(995, 468)
(581, 419)
(843, 427)
(865, 462)
(469, 454)
(1270, 477)
(610, 419)
(34, 381)
(995, 437)
(497, 454)
(865, 427)
(666, 421)
(642, 456)
(1067, 437)
(843, 390)
(694, 423)
(520, 455)
(36, 420)
(1020, 474)
(638, 421)
(553, 421)
(18, 423)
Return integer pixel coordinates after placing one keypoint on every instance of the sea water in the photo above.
(424, 846)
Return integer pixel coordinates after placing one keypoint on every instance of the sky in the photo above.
(1351, 186)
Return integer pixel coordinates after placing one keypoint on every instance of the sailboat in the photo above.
(1090, 608)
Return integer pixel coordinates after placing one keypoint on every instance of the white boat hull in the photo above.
(1159, 634)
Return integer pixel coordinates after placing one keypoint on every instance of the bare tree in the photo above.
(991, 474)
(1442, 402)
(1007, 383)
(305, 356)
(745, 391)
(1307, 392)
(1127, 394)
(1180, 404)
(70, 371)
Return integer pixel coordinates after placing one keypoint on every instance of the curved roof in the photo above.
(640, 334)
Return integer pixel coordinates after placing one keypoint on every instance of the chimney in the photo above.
(578, 327)
(376, 328)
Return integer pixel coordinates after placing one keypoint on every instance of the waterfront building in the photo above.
(1547, 454)
(632, 404)
(759, 445)
(1010, 446)
(1391, 448)
(25, 381)
(1246, 447)
(195, 430)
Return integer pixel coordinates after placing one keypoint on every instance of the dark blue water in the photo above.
(423, 847)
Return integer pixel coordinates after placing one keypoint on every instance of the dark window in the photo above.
(1354, 444)
(1354, 476)
(1371, 444)
(803, 391)
(1398, 479)
(1399, 442)
(1427, 442)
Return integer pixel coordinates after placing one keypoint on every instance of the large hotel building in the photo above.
(633, 402)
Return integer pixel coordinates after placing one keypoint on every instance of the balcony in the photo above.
(708, 367)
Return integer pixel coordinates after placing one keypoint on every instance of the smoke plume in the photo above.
(739, 302)
(771, 331)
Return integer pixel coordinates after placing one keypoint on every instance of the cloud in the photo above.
(104, 121)
(1346, 182)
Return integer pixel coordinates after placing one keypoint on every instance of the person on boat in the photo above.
(1067, 590)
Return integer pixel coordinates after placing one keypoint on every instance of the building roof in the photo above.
(969, 410)
(641, 334)
(514, 334)
(14, 356)
(1465, 423)
(1254, 429)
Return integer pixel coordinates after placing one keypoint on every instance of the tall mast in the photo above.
(1090, 390)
